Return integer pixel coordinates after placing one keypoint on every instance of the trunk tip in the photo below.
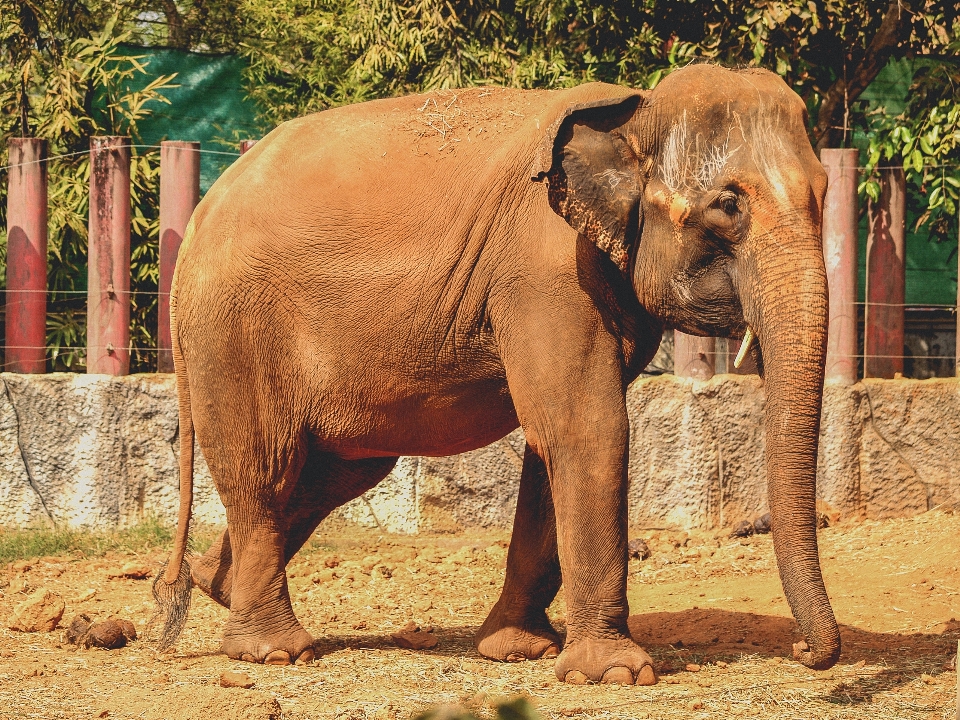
(822, 658)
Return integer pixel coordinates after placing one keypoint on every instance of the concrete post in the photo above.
(693, 357)
(108, 261)
(246, 145)
(886, 277)
(840, 215)
(179, 195)
(26, 313)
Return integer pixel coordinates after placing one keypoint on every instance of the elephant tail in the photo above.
(171, 589)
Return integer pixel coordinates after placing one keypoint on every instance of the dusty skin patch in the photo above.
(697, 601)
(447, 119)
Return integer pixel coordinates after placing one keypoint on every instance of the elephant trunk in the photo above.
(791, 312)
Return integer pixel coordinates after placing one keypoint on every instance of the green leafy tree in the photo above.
(306, 55)
(61, 67)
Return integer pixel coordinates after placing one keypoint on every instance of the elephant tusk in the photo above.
(745, 346)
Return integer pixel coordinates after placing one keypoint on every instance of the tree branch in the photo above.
(844, 91)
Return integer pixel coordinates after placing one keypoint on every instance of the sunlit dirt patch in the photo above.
(709, 610)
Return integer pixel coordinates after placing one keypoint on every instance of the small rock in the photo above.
(926, 678)
(413, 638)
(761, 525)
(40, 612)
(20, 585)
(21, 566)
(131, 571)
(691, 667)
(744, 529)
(233, 679)
(638, 549)
(423, 605)
(88, 594)
(695, 705)
(823, 521)
(669, 680)
(720, 664)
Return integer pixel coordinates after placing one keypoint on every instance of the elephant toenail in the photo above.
(550, 653)
(247, 657)
(617, 676)
(646, 676)
(306, 656)
(575, 677)
(277, 657)
(515, 657)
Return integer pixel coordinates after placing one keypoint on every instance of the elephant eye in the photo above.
(727, 201)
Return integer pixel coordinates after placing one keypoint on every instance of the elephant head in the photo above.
(708, 196)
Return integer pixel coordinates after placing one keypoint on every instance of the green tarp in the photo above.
(208, 106)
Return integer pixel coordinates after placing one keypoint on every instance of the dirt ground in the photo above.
(697, 601)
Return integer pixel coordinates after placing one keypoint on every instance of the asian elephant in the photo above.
(420, 275)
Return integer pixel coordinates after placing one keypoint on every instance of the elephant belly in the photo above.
(391, 418)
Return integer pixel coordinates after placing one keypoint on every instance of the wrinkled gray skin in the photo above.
(357, 287)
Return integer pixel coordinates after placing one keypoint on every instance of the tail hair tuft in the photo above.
(173, 604)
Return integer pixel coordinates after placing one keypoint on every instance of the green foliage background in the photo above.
(307, 55)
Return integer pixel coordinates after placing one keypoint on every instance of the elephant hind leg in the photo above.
(325, 483)
(517, 627)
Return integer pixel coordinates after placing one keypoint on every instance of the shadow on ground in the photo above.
(706, 636)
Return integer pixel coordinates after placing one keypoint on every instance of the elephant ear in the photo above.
(593, 174)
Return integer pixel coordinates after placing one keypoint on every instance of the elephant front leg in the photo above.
(517, 627)
(589, 490)
(566, 379)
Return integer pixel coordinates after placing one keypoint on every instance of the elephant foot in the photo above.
(513, 640)
(278, 649)
(615, 662)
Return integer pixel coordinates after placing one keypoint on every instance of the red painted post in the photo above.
(108, 261)
(886, 277)
(693, 357)
(246, 145)
(179, 195)
(840, 214)
(26, 313)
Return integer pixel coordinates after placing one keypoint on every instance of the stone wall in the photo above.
(98, 451)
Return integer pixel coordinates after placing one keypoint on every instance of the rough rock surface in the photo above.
(40, 612)
(100, 451)
(93, 450)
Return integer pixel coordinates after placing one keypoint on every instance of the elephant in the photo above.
(421, 275)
